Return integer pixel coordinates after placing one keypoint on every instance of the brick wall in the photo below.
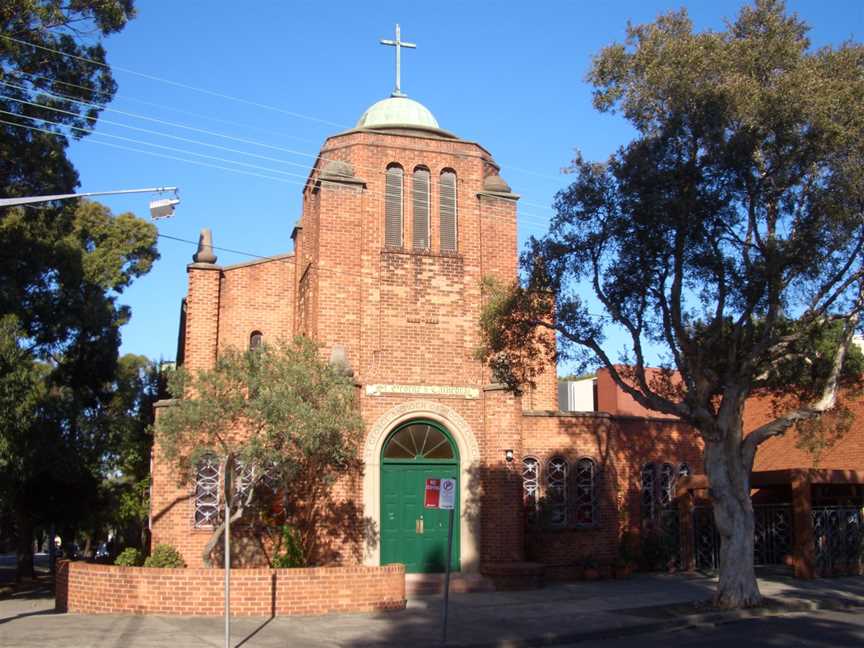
(256, 296)
(619, 446)
(108, 589)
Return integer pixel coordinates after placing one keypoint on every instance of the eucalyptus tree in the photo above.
(728, 234)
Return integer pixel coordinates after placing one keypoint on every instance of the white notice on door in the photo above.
(447, 498)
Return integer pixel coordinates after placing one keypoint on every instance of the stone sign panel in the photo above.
(469, 393)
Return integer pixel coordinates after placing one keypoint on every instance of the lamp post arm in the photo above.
(9, 202)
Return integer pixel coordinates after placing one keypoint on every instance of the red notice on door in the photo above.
(433, 493)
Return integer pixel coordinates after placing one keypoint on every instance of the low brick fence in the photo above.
(107, 589)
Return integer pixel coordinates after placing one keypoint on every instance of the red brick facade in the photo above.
(107, 589)
(409, 318)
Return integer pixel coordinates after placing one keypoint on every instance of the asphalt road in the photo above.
(822, 629)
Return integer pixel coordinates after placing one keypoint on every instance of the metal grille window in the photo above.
(667, 485)
(207, 491)
(585, 494)
(648, 491)
(393, 207)
(556, 491)
(683, 470)
(447, 211)
(245, 474)
(420, 195)
(531, 488)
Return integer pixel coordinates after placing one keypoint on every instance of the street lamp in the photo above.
(162, 208)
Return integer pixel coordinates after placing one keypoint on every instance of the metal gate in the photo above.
(838, 532)
(772, 539)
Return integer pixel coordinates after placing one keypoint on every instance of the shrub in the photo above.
(129, 557)
(164, 556)
(289, 554)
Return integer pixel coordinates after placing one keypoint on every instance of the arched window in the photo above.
(206, 490)
(421, 199)
(531, 488)
(683, 470)
(556, 491)
(418, 441)
(585, 492)
(447, 211)
(256, 339)
(647, 476)
(393, 207)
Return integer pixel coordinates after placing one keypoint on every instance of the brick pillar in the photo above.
(803, 542)
(202, 315)
(502, 517)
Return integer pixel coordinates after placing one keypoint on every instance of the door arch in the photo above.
(415, 451)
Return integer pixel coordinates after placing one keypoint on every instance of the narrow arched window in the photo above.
(393, 207)
(556, 491)
(531, 488)
(420, 198)
(666, 492)
(206, 490)
(647, 498)
(447, 211)
(585, 492)
(256, 339)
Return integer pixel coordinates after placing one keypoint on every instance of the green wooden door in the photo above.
(411, 534)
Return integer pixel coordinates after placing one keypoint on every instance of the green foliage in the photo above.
(129, 557)
(727, 238)
(164, 555)
(299, 420)
(728, 234)
(71, 259)
(290, 552)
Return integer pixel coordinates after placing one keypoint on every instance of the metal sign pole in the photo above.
(227, 487)
(447, 578)
(227, 574)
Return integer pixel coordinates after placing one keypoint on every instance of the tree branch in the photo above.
(826, 401)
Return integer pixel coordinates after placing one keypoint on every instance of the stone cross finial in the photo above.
(398, 44)
(205, 248)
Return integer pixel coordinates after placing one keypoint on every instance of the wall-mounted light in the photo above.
(508, 456)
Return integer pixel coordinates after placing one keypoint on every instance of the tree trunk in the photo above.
(24, 548)
(729, 487)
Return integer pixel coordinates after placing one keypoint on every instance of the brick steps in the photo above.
(427, 584)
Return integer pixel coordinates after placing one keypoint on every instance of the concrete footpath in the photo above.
(559, 613)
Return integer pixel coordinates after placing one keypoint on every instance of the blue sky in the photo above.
(509, 75)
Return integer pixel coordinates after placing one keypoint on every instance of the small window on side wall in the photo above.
(531, 489)
(447, 211)
(557, 472)
(256, 339)
(206, 491)
(647, 491)
(585, 495)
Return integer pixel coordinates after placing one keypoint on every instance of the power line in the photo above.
(163, 146)
(160, 121)
(186, 127)
(153, 153)
(209, 92)
(152, 104)
(184, 151)
(177, 84)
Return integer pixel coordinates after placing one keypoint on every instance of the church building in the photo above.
(401, 222)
